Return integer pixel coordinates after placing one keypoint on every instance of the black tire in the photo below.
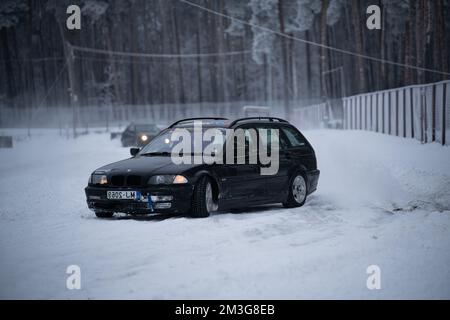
(291, 201)
(199, 208)
(104, 214)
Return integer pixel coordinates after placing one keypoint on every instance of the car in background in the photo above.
(138, 135)
(150, 182)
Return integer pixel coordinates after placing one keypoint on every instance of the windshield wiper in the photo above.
(156, 154)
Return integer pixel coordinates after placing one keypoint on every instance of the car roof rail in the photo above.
(271, 119)
(192, 119)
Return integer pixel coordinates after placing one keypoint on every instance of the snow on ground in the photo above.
(381, 201)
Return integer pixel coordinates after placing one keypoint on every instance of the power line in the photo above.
(122, 60)
(281, 34)
(159, 55)
(34, 59)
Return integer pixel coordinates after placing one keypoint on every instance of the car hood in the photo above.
(145, 166)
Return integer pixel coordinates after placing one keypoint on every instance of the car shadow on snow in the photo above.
(166, 216)
(260, 209)
(150, 217)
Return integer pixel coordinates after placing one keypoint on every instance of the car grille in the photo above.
(118, 181)
(133, 181)
(122, 181)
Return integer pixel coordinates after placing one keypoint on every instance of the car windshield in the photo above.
(163, 145)
(146, 128)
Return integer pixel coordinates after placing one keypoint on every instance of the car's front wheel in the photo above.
(298, 191)
(204, 202)
(104, 214)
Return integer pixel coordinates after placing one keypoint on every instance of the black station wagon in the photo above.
(151, 182)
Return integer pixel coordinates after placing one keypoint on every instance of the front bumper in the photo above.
(181, 199)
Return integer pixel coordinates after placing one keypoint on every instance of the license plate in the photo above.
(123, 195)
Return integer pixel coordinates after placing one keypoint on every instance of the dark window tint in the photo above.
(294, 137)
(265, 136)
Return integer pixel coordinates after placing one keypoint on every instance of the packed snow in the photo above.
(381, 201)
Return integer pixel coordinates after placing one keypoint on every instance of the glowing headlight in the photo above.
(179, 180)
(99, 179)
(144, 138)
(167, 179)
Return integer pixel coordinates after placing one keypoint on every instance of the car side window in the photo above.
(294, 137)
(249, 146)
(265, 137)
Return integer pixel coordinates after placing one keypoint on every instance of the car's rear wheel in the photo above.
(204, 201)
(298, 191)
(104, 214)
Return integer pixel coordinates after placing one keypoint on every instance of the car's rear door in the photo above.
(242, 182)
(275, 184)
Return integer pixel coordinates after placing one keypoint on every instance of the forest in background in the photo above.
(37, 66)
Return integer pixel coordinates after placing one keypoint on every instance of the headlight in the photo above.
(144, 138)
(99, 179)
(179, 180)
(167, 179)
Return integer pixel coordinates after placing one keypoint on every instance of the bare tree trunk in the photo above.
(323, 52)
(420, 44)
(308, 66)
(284, 60)
(10, 91)
(440, 48)
(182, 97)
(359, 44)
(199, 67)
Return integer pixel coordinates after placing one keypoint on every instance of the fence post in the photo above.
(404, 113)
(396, 113)
(371, 112)
(382, 113)
(444, 122)
(377, 113)
(423, 119)
(344, 115)
(411, 102)
(360, 113)
(351, 113)
(348, 114)
(433, 114)
(365, 112)
(389, 113)
(344, 110)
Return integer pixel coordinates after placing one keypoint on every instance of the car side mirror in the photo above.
(134, 151)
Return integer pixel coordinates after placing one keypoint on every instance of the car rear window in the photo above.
(294, 137)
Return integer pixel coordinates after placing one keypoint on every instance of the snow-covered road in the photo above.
(381, 201)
